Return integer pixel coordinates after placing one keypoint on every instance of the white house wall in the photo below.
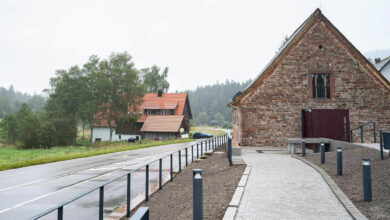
(104, 135)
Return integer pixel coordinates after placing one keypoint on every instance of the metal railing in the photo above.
(361, 132)
(213, 144)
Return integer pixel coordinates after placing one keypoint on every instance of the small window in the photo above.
(321, 85)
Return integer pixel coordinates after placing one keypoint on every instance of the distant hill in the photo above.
(208, 103)
(382, 53)
(11, 100)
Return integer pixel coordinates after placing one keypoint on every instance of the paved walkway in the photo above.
(281, 187)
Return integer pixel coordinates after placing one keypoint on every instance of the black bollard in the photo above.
(197, 207)
(367, 180)
(322, 153)
(303, 148)
(339, 161)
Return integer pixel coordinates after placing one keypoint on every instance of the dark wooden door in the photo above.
(326, 123)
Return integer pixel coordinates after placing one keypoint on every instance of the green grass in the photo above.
(214, 132)
(12, 157)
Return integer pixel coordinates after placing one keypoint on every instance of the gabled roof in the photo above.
(174, 101)
(166, 101)
(295, 38)
(162, 123)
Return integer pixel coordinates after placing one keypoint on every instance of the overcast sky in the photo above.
(201, 41)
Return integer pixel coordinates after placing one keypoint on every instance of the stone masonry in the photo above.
(273, 109)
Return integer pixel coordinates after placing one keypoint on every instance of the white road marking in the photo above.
(85, 181)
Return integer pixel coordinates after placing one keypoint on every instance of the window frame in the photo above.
(331, 84)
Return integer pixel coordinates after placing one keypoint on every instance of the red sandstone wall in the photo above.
(274, 109)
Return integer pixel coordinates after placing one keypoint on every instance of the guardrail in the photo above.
(361, 132)
(216, 142)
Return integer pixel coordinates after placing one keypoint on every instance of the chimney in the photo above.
(159, 92)
(377, 60)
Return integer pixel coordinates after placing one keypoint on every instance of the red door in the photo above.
(326, 123)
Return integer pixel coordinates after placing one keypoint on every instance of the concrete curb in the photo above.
(231, 211)
(348, 205)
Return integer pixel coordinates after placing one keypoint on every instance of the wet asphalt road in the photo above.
(25, 192)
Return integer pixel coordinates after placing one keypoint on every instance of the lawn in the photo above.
(12, 157)
(210, 130)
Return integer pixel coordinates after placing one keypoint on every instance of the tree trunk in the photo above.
(111, 134)
(83, 128)
(90, 127)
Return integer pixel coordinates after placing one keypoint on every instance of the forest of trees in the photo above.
(106, 86)
(208, 103)
(109, 87)
(11, 101)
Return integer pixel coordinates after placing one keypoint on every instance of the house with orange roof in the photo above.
(161, 116)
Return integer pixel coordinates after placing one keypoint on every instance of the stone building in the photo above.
(317, 71)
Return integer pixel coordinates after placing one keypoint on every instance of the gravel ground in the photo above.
(220, 180)
(352, 184)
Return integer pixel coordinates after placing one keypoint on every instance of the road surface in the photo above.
(27, 191)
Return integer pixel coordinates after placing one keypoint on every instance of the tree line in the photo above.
(110, 89)
(208, 103)
(11, 101)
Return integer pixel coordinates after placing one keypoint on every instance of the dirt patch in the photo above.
(352, 183)
(220, 180)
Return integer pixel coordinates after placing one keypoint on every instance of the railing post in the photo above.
(128, 195)
(381, 143)
(361, 134)
(179, 160)
(230, 151)
(201, 148)
(160, 173)
(322, 153)
(197, 207)
(367, 180)
(171, 170)
(374, 125)
(197, 150)
(60, 214)
(192, 153)
(147, 183)
(351, 137)
(339, 161)
(342, 137)
(186, 151)
(303, 148)
(101, 202)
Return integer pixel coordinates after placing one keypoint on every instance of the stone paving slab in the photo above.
(236, 197)
(282, 187)
(247, 170)
(243, 180)
(230, 213)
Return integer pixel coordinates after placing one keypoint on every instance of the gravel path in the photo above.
(351, 182)
(174, 201)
